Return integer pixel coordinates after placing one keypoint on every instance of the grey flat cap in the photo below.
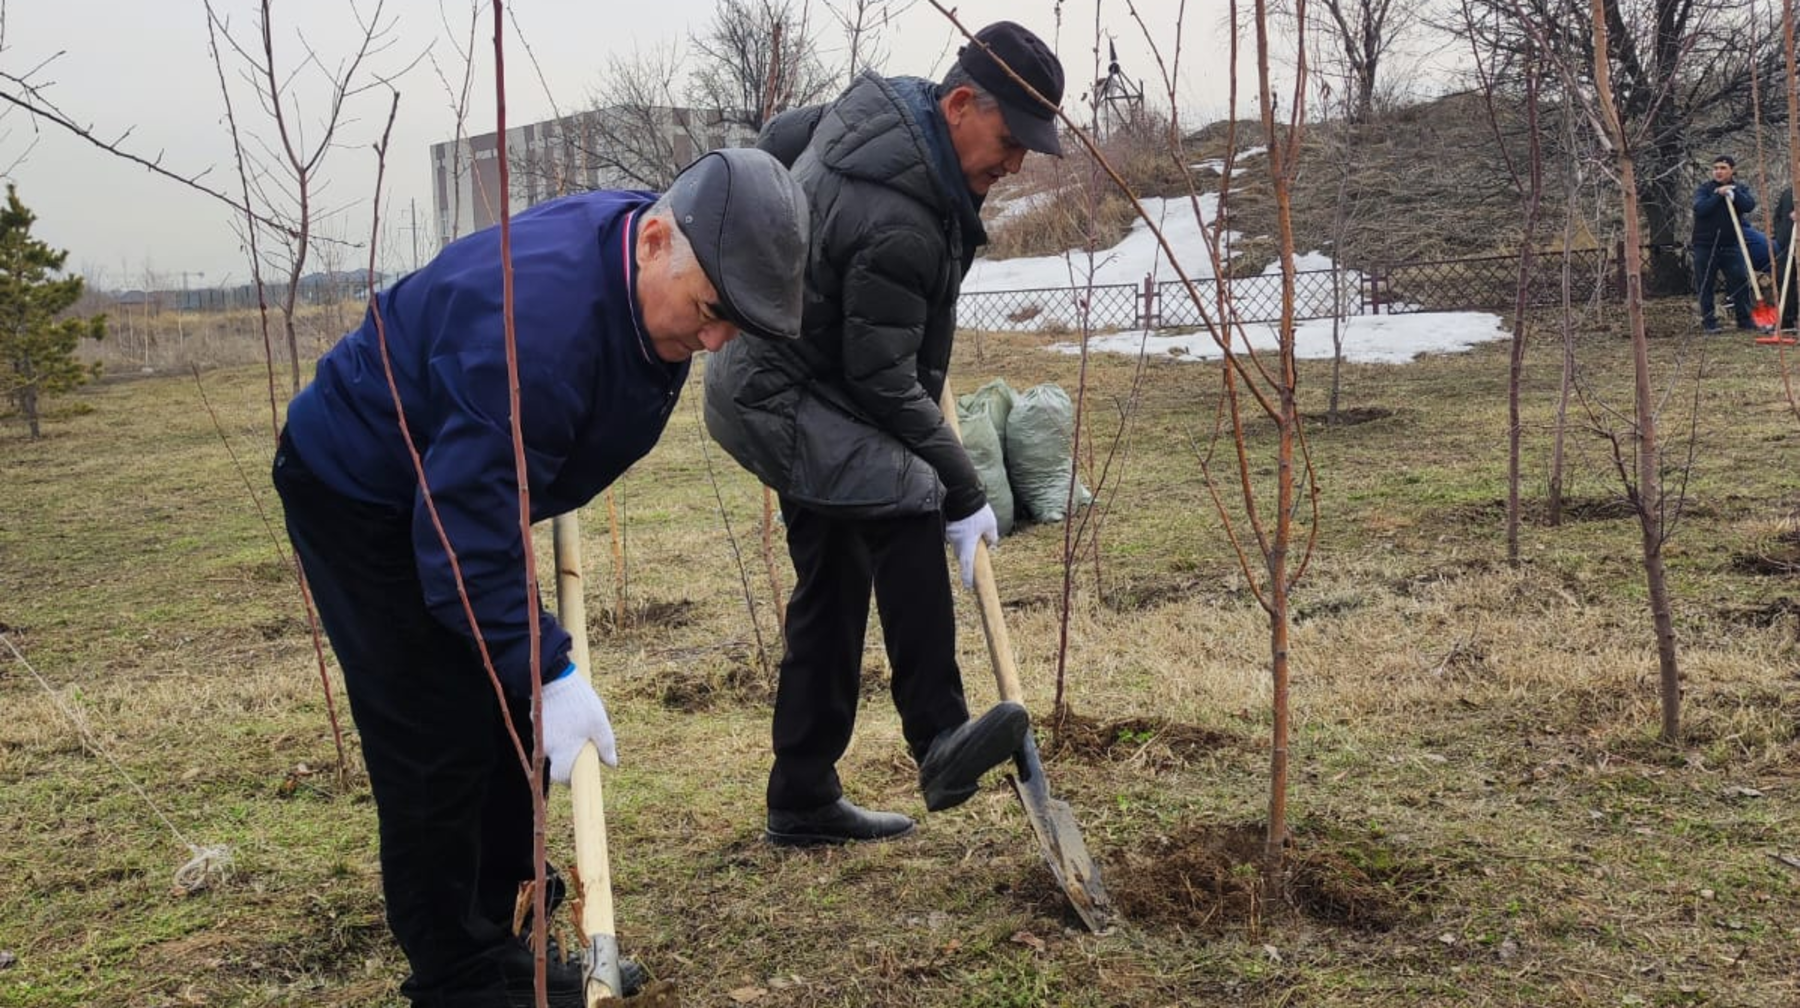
(746, 218)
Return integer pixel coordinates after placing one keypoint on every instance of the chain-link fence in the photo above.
(1160, 305)
(1489, 282)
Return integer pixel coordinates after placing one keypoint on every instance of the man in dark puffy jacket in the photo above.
(613, 293)
(1716, 248)
(844, 423)
(1787, 272)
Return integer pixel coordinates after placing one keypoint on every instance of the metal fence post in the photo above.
(1373, 285)
(1149, 317)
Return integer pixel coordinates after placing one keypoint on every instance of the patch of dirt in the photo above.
(1763, 616)
(282, 626)
(1536, 511)
(1211, 878)
(345, 929)
(1419, 584)
(1158, 742)
(1149, 593)
(1347, 417)
(1776, 555)
(653, 613)
(874, 682)
(1332, 605)
(736, 679)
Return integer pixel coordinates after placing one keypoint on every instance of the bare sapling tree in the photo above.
(1559, 428)
(638, 134)
(462, 69)
(1280, 532)
(1361, 34)
(1278, 401)
(1357, 195)
(864, 24)
(1640, 466)
(1527, 176)
(285, 168)
(733, 56)
(1790, 270)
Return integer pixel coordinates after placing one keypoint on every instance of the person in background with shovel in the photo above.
(1716, 248)
(1786, 269)
(844, 423)
(614, 293)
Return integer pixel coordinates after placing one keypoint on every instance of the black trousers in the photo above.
(451, 795)
(836, 562)
(1724, 257)
(1791, 300)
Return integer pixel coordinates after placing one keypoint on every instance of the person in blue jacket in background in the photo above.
(1757, 244)
(614, 292)
(1715, 243)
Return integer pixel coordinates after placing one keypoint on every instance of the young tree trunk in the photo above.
(1648, 494)
(1534, 186)
(1649, 502)
(1559, 435)
(28, 405)
(1287, 423)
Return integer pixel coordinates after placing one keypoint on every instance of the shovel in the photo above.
(1764, 314)
(1058, 835)
(591, 864)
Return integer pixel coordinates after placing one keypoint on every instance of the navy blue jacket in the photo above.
(1712, 222)
(1758, 244)
(594, 398)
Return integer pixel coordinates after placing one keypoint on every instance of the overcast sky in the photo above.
(144, 68)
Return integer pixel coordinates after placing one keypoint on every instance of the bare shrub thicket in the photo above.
(1058, 220)
(160, 338)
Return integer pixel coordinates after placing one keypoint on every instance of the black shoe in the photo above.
(837, 823)
(1710, 328)
(565, 980)
(952, 768)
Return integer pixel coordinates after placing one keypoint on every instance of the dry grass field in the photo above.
(1483, 815)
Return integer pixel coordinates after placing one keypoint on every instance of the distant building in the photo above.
(612, 148)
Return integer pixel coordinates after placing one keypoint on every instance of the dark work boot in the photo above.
(837, 823)
(565, 980)
(952, 768)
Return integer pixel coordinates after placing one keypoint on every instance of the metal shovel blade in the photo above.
(1059, 838)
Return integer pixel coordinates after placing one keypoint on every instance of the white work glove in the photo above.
(573, 717)
(962, 535)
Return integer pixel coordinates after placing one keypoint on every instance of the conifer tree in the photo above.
(37, 348)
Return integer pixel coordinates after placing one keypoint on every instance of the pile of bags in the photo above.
(1020, 443)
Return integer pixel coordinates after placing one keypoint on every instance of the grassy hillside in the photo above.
(1482, 813)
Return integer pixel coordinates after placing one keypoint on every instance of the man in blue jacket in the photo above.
(402, 517)
(1716, 248)
(844, 422)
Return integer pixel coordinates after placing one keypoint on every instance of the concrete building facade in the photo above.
(611, 148)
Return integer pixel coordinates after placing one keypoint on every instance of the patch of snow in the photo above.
(1368, 339)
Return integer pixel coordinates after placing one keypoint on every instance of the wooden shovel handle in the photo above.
(1744, 247)
(591, 858)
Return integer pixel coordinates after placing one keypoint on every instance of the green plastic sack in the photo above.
(1039, 432)
(996, 398)
(984, 447)
(994, 401)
